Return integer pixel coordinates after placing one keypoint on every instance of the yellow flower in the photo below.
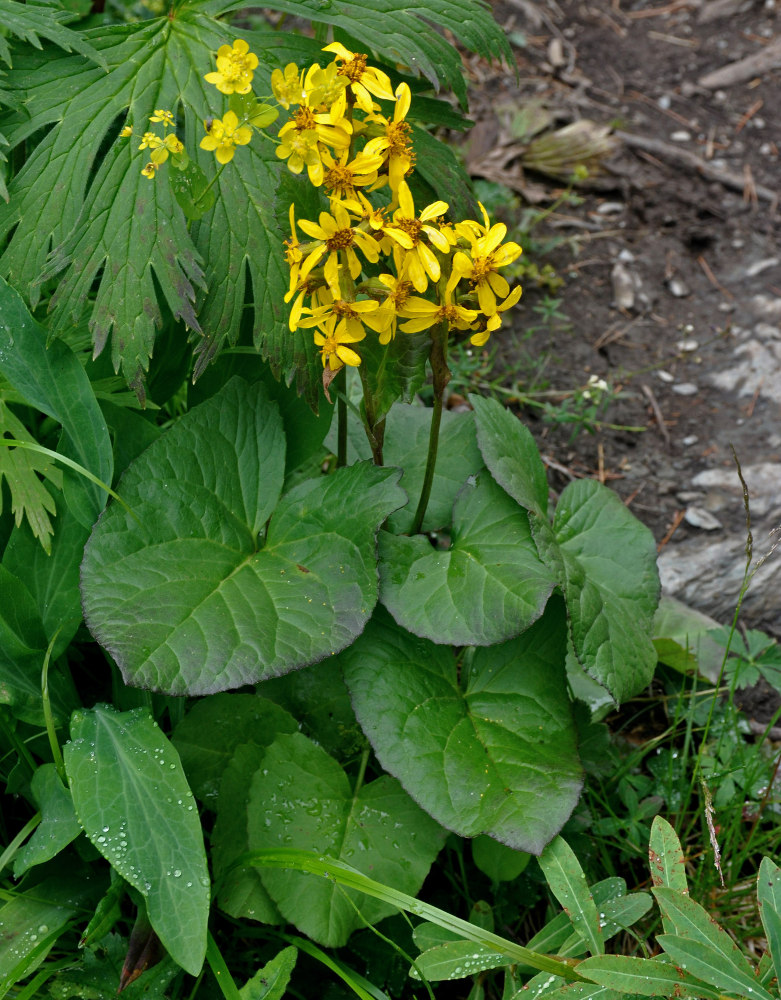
(224, 135)
(351, 317)
(170, 144)
(150, 170)
(395, 304)
(326, 89)
(336, 234)
(166, 117)
(150, 141)
(395, 144)
(420, 261)
(287, 86)
(331, 129)
(363, 80)
(494, 321)
(480, 266)
(341, 178)
(301, 149)
(126, 132)
(375, 217)
(425, 314)
(235, 69)
(332, 346)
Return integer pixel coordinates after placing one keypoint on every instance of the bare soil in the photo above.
(671, 261)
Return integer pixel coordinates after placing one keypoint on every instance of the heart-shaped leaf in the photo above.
(489, 586)
(301, 798)
(191, 595)
(485, 746)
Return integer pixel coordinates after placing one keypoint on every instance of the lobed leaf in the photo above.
(134, 804)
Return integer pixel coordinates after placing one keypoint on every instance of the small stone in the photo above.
(681, 136)
(689, 440)
(761, 265)
(664, 376)
(678, 288)
(626, 256)
(698, 517)
(685, 389)
(624, 286)
(686, 346)
(664, 102)
(610, 208)
(726, 307)
(689, 496)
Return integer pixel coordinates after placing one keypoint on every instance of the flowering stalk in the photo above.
(441, 377)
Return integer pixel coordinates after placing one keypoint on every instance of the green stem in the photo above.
(8, 854)
(210, 185)
(441, 374)
(341, 418)
(361, 772)
(48, 715)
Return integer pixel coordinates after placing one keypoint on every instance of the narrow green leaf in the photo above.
(201, 598)
(58, 826)
(568, 884)
(769, 900)
(343, 874)
(493, 753)
(50, 378)
(510, 452)
(713, 966)
(615, 915)
(301, 797)
(133, 801)
(643, 977)
(577, 991)
(34, 918)
(270, 982)
(456, 960)
(665, 857)
(692, 922)
(489, 586)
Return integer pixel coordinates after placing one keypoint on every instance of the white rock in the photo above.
(698, 517)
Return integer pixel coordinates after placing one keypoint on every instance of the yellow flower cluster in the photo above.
(160, 147)
(363, 265)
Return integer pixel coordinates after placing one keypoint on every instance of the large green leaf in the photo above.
(199, 596)
(489, 586)
(133, 801)
(492, 751)
(400, 33)
(241, 890)
(210, 732)
(301, 798)
(50, 378)
(601, 555)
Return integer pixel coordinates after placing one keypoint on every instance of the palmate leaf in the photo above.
(34, 20)
(20, 467)
(401, 33)
(111, 227)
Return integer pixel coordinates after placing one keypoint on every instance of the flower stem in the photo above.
(341, 418)
(441, 373)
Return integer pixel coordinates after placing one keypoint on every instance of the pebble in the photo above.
(698, 517)
(689, 496)
(686, 389)
(687, 346)
(689, 440)
(610, 208)
(678, 288)
(761, 265)
(664, 376)
(681, 136)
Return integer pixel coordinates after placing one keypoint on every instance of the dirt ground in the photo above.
(671, 263)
